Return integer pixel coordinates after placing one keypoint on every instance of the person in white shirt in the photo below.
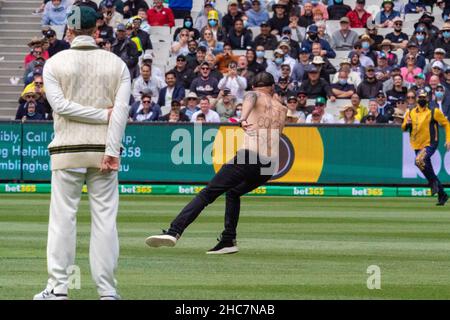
(147, 81)
(205, 108)
(235, 83)
(319, 110)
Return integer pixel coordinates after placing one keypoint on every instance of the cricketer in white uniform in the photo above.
(89, 90)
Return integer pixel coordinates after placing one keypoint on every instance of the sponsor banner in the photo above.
(367, 192)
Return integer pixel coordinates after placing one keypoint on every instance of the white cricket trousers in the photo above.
(104, 243)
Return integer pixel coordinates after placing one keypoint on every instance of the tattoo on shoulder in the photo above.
(251, 97)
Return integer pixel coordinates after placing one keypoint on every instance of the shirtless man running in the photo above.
(262, 119)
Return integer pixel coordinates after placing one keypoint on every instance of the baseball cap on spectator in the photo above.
(344, 19)
(422, 93)
(447, 69)
(320, 101)
(386, 2)
(204, 63)
(202, 49)
(208, 4)
(264, 24)
(109, 3)
(286, 29)
(121, 27)
(290, 98)
(304, 50)
(83, 18)
(438, 64)
(50, 33)
(312, 29)
(147, 57)
(278, 51)
(283, 80)
(361, 1)
(302, 91)
(381, 94)
(395, 68)
(310, 68)
(420, 76)
(370, 68)
(181, 57)
(371, 116)
(439, 50)
(382, 55)
(412, 44)
(419, 29)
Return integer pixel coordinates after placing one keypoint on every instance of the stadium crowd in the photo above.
(294, 42)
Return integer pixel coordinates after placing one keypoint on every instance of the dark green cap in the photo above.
(82, 18)
(321, 100)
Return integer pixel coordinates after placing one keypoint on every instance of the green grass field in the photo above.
(290, 248)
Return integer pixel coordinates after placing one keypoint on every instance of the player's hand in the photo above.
(109, 164)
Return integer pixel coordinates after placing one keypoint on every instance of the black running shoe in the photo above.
(224, 247)
(166, 239)
(442, 199)
(434, 187)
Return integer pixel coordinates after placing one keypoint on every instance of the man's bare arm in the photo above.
(248, 104)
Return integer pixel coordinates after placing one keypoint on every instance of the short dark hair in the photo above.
(171, 72)
(204, 98)
(264, 79)
(145, 64)
(201, 115)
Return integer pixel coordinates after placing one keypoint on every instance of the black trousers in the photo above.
(180, 14)
(234, 179)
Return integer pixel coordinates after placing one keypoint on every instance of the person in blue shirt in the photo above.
(384, 18)
(415, 6)
(180, 8)
(313, 36)
(257, 14)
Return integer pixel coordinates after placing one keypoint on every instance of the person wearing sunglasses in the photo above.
(398, 38)
(145, 110)
(205, 85)
(181, 46)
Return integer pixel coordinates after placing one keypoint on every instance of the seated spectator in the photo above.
(298, 33)
(180, 47)
(201, 118)
(214, 26)
(400, 104)
(202, 19)
(444, 5)
(437, 69)
(205, 109)
(147, 81)
(353, 77)
(257, 14)
(316, 86)
(280, 18)
(86, 3)
(243, 71)
(205, 85)
(232, 81)
(189, 25)
(175, 114)
(302, 105)
(55, 13)
(144, 26)
(236, 118)
(359, 16)
(374, 116)
(200, 56)
(210, 42)
(298, 74)
(415, 6)
(286, 48)
(104, 32)
(131, 7)
(147, 110)
(232, 15)
(325, 67)
(274, 65)
(266, 38)
(126, 50)
(368, 46)
(111, 16)
(362, 60)
(338, 10)
(34, 68)
(172, 91)
(239, 37)
(317, 16)
(143, 36)
(398, 38)
(225, 58)
(31, 113)
(343, 89)
(319, 115)
(348, 115)
(382, 70)
(159, 15)
(444, 40)
(384, 107)
(411, 99)
(322, 32)
(283, 90)
(398, 92)
(356, 66)
(316, 5)
(433, 84)
(410, 70)
(398, 116)
(225, 105)
(183, 75)
(441, 100)
(26, 98)
(55, 45)
(370, 86)
(424, 42)
(413, 49)
(386, 47)
(439, 55)
(260, 62)
(384, 18)
(306, 18)
(293, 112)
(215, 73)
(36, 86)
(313, 36)
(345, 38)
(191, 105)
(361, 111)
(36, 50)
(446, 82)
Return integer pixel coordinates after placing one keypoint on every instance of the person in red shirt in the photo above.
(160, 16)
(358, 17)
(36, 50)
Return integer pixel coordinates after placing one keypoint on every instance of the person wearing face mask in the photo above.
(415, 6)
(444, 40)
(274, 65)
(424, 44)
(426, 21)
(188, 24)
(259, 63)
(214, 26)
(422, 124)
(441, 100)
(338, 10)
(343, 89)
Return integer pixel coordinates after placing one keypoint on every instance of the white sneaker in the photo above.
(49, 295)
(114, 297)
(162, 240)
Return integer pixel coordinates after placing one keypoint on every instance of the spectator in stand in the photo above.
(55, 45)
(298, 33)
(243, 71)
(232, 15)
(398, 38)
(266, 38)
(200, 55)
(143, 36)
(370, 86)
(239, 37)
(298, 73)
(412, 49)
(144, 26)
(316, 86)
(147, 81)
(359, 16)
(202, 19)
(382, 70)
(104, 32)
(367, 50)
(26, 98)
(160, 16)
(55, 13)
(302, 106)
(424, 44)
(293, 112)
(286, 48)
(306, 19)
(446, 83)
(348, 115)
(410, 70)
(320, 6)
(86, 3)
(384, 18)
(225, 58)
(191, 105)
(147, 110)
(31, 113)
(215, 73)
(260, 62)
(211, 43)
(386, 47)
(214, 26)
(126, 50)
(437, 69)
(191, 57)
(280, 18)
(204, 85)
(319, 115)
(384, 107)
(324, 66)
(257, 14)
(420, 83)
(313, 36)
(180, 8)
(361, 111)
(118, 5)
(274, 65)
(398, 92)
(181, 46)
(401, 105)
(398, 116)
(441, 100)
(344, 39)
(233, 82)
(372, 32)
(201, 118)
(189, 25)
(374, 116)
(36, 50)
(338, 10)
(183, 74)
(236, 118)
(225, 105)
(205, 109)
(343, 89)
(415, 6)
(445, 7)
(283, 90)
(175, 114)
(354, 77)
(34, 68)
(111, 16)
(172, 91)
(399, 6)
(444, 40)
(131, 7)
